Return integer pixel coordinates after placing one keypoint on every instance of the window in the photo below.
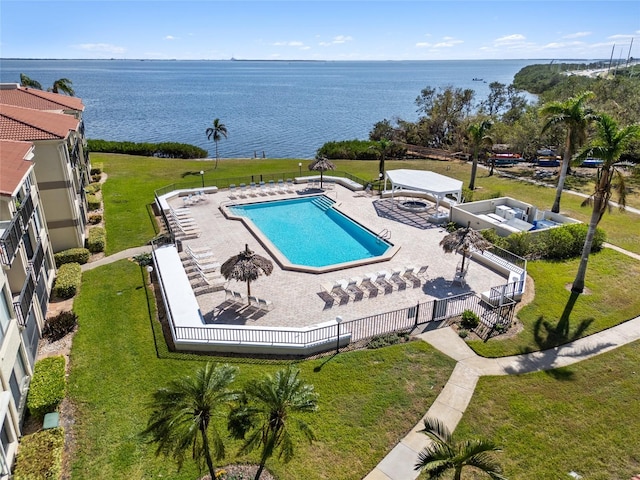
(7, 437)
(5, 313)
(17, 382)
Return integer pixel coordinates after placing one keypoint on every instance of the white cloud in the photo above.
(337, 40)
(448, 43)
(293, 43)
(170, 37)
(577, 35)
(445, 42)
(510, 39)
(100, 47)
(621, 37)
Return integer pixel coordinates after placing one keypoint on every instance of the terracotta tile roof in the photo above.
(13, 166)
(18, 123)
(13, 94)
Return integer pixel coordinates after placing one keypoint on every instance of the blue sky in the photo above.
(319, 30)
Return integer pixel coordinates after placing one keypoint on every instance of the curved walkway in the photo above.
(457, 393)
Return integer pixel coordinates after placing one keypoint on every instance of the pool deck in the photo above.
(295, 295)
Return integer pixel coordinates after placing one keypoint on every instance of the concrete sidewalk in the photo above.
(457, 393)
(132, 252)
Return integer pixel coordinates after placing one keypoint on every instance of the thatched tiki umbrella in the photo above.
(321, 164)
(246, 267)
(464, 240)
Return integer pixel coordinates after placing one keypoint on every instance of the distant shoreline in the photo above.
(565, 60)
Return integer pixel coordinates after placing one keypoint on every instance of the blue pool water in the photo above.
(310, 235)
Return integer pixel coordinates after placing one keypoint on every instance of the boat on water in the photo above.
(476, 79)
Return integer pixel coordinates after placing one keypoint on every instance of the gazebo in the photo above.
(434, 184)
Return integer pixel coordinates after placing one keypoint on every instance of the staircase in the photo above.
(323, 203)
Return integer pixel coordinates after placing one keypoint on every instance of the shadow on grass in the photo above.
(552, 342)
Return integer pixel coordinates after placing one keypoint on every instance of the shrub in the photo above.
(469, 320)
(40, 455)
(162, 150)
(95, 218)
(73, 255)
(143, 259)
(68, 280)
(96, 178)
(93, 187)
(93, 202)
(47, 386)
(96, 239)
(358, 150)
(519, 243)
(59, 326)
(491, 235)
(96, 171)
(387, 339)
(462, 333)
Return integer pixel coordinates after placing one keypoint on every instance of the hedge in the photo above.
(68, 280)
(95, 218)
(96, 239)
(162, 150)
(93, 187)
(557, 243)
(358, 150)
(72, 255)
(40, 456)
(93, 202)
(47, 386)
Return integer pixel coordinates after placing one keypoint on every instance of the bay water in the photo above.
(279, 109)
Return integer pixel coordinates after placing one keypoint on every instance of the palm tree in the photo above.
(383, 146)
(609, 145)
(321, 164)
(62, 85)
(576, 118)
(445, 454)
(267, 409)
(247, 266)
(464, 240)
(216, 133)
(478, 136)
(182, 412)
(28, 82)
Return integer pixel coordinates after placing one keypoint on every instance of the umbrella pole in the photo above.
(248, 290)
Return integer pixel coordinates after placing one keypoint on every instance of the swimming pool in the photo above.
(308, 234)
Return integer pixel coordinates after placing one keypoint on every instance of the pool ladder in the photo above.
(384, 234)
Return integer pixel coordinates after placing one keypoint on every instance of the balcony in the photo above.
(24, 301)
(12, 234)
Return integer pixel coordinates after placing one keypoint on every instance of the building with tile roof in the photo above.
(61, 160)
(27, 272)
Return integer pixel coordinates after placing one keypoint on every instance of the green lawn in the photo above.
(132, 181)
(608, 302)
(583, 418)
(369, 399)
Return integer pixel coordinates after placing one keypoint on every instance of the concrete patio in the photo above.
(294, 295)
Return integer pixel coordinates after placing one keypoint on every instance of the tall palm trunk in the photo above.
(600, 201)
(207, 453)
(566, 160)
(474, 169)
(216, 142)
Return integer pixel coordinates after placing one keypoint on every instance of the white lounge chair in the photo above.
(397, 279)
(353, 289)
(381, 281)
(411, 277)
(203, 254)
(337, 290)
(232, 191)
(367, 282)
(243, 190)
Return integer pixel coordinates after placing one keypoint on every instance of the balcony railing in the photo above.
(23, 305)
(10, 240)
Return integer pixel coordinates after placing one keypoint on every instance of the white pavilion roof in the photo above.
(424, 181)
